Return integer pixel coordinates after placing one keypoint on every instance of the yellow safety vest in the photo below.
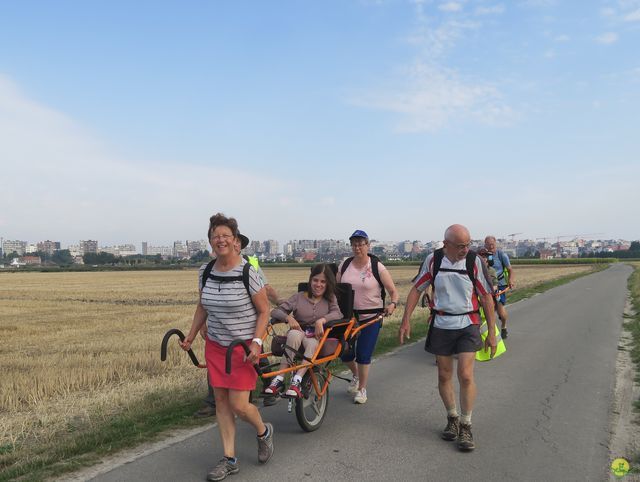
(485, 354)
(253, 261)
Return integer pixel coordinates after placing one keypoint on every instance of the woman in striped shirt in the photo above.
(232, 310)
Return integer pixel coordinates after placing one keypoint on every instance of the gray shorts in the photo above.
(449, 342)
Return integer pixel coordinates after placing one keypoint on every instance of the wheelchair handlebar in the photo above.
(165, 341)
(245, 347)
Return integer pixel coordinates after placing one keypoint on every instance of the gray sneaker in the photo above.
(450, 432)
(465, 439)
(265, 445)
(223, 469)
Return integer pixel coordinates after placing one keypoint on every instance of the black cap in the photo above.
(244, 241)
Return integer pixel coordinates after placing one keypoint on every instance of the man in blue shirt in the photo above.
(498, 260)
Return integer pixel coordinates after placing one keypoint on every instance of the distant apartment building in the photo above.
(271, 247)
(194, 247)
(180, 250)
(144, 248)
(304, 244)
(88, 246)
(31, 248)
(254, 247)
(405, 247)
(49, 247)
(120, 250)
(75, 250)
(164, 251)
(14, 246)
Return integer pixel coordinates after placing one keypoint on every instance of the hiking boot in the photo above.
(465, 439)
(294, 390)
(265, 445)
(224, 468)
(205, 411)
(361, 396)
(503, 333)
(353, 385)
(450, 432)
(274, 387)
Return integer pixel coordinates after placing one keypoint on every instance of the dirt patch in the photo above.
(625, 436)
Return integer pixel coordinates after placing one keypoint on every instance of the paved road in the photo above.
(542, 411)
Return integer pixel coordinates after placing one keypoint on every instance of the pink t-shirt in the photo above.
(364, 284)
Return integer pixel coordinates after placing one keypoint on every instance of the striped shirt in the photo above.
(230, 311)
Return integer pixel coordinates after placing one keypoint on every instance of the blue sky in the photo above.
(132, 121)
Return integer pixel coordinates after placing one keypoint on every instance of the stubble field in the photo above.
(80, 348)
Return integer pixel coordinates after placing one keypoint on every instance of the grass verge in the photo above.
(632, 324)
(158, 412)
(155, 413)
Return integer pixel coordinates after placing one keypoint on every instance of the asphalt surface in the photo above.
(542, 412)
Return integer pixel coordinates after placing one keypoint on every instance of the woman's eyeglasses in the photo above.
(222, 237)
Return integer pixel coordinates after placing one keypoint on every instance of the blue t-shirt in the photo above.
(498, 258)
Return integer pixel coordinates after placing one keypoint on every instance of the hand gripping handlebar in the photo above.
(234, 343)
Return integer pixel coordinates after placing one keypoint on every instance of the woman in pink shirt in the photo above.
(359, 270)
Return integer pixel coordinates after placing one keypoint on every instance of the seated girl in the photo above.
(306, 312)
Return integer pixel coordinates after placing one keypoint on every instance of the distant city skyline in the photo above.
(313, 119)
(139, 247)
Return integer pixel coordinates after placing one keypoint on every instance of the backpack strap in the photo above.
(438, 254)
(345, 265)
(503, 275)
(227, 279)
(470, 263)
(471, 267)
(376, 274)
(206, 273)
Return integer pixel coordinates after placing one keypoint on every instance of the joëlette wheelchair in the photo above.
(338, 339)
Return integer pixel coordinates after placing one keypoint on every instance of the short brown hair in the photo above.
(220, 219)
(329, 276)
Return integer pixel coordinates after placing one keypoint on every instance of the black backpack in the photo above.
(376, 274)
(227, 279)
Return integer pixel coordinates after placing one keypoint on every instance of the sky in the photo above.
(136, 121)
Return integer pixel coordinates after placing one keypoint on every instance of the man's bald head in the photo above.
(456, 242)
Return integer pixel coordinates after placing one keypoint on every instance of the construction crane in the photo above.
(513, 235)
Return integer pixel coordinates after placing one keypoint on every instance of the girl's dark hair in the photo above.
(220, 219)
(324, 268)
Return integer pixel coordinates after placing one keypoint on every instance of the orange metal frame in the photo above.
(349, 333)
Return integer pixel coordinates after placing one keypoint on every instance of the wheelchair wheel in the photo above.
(311, 409)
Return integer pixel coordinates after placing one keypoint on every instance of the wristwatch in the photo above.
(395, 304)
(257, 340)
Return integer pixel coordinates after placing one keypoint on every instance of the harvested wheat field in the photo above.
(78, 348)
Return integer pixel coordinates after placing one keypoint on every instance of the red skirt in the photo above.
(242, 377)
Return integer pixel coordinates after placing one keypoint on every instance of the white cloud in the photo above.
(633, 16)
(607, 12)
(607, 38)
(562, 38)
(492, 10)
(450, 7)
(550, 54)
(66, 185)
(539, 3)
(430, 97)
